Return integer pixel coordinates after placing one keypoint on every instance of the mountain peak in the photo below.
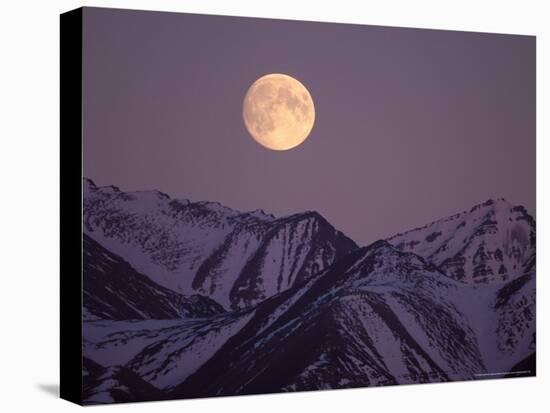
(309, 215)
(261, 214)
(498, 202)
(378, 245)
(205, 247)
(154, 193)
(383, 248)
(88, 183)
(492, 241)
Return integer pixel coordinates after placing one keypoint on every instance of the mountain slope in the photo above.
(493, 241)
(374, 317)
(114, 290)
(515, 308)
(377, 316)
(162, 352)
(238, 259)
(114, 385)
(308, 315)
(490, 249)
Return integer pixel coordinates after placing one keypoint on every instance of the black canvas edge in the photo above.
(71, 206)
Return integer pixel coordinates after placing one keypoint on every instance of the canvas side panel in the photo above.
(71, 206)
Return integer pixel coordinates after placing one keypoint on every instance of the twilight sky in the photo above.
(411, 125)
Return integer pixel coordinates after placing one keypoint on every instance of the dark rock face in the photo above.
(113, 290)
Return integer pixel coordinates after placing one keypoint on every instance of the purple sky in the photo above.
(411, 125)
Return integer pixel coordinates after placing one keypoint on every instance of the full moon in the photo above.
(278, 112)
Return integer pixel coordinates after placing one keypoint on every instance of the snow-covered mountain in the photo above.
(238, 259)
(378, 316)
(375, 317)
(398, 311)
(113, 290)
(493, 241)
(490, 249)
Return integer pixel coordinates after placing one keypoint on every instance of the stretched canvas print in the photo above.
(258, 206)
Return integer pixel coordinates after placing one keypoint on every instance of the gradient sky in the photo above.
(411, 125)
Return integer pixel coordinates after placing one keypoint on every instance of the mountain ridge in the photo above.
(325, 313)
(493, 241)
(210, 249)
(113, 290)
